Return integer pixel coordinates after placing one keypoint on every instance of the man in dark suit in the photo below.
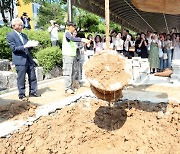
(22, 59)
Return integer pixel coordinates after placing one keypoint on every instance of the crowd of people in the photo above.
(160, 49)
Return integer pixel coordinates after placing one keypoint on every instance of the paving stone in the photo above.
(4, 65)
(7, 79)
(39, 73)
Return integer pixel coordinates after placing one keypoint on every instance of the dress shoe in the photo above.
(34, 95)
(23, 98)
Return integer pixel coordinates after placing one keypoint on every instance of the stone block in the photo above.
(56, 71)
(143, 76)
(176, 70)
(175, 76)
(144, 60)
(136, 58)
(175, 62)
(144, 69)
(8, 79)
(4, 65)
(135, 63)
(39, 73)
(135, 73)
(174, 81)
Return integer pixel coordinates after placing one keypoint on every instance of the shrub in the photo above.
(43, 37)
(49, 57)
(60, 35)
(5, 51)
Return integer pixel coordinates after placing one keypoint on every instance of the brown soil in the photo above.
(166, 73)
(107, 73)
(91, 126)
(16, 110)
(107, 68)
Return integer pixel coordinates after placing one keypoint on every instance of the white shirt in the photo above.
(98, 46)
(110, 45)
(114, 40)
(119, 44)
(168, 44)
(20, 36)
(54, 33)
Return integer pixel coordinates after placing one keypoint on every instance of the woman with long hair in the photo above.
(98, 45)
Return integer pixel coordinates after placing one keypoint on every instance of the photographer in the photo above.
(26, 20)
(53, 30)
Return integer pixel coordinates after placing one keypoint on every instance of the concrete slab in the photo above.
(145, 96)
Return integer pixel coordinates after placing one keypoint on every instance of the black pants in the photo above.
(21, 74)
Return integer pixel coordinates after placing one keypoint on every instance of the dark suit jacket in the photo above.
(20, 55)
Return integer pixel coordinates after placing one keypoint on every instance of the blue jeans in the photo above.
(161, 66)
(169, 55)
(165, 63)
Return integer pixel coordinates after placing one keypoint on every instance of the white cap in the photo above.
(52, 21)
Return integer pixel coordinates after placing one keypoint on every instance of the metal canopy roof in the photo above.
(126, 14)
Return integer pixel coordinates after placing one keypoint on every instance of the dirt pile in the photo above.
(13, 110)
(166, 73)
(91, 126)
(108, 73)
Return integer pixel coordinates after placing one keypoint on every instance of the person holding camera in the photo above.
(143, 43)
(53, 30)
(26, 20)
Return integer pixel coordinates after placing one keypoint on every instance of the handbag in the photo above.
(132, 49)
(165, 56)
(138, 50)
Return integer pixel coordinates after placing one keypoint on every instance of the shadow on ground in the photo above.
(12, 108)
(110, 118)
(15, 108)
(113, 118)
(43, 90)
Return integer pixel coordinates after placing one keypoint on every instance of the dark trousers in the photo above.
(54, 43)
(21, 74)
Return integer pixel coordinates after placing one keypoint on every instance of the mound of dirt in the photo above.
(13, 110)
(91, 126)
(108, 73)
(166, 73)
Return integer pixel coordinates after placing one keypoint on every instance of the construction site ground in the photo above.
(145, 120)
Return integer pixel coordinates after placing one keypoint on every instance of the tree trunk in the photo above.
(2, 10)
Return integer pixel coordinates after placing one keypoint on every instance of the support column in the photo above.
(69, 10)
(107, 23)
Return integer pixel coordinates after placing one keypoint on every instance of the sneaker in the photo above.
(69, 91)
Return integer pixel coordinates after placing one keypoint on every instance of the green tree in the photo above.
(114, 26)
(50, 11)
(86, 21)
(7, 6)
